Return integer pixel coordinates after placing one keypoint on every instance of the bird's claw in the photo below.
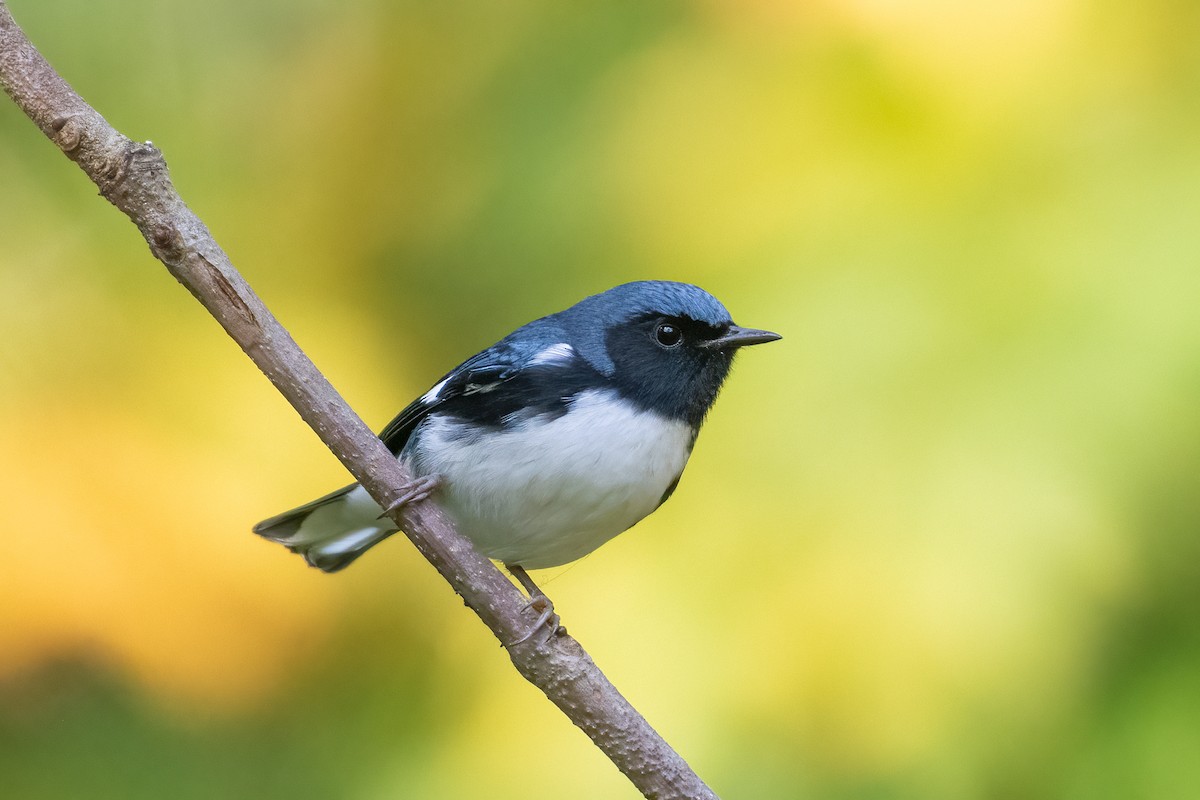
(415, 492)
(546, 618)
(539, 602)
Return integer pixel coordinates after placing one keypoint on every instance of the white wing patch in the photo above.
(559, 353)
(480, 388)
(430, 397)
(554, 354)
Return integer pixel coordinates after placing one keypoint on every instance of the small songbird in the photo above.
(552, 441)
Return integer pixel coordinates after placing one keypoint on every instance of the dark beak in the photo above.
(740, 337)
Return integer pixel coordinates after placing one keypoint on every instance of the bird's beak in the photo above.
(740, 337)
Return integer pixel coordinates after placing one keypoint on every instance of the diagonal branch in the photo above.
(133, 177)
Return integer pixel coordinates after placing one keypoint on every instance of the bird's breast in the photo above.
(548, 489)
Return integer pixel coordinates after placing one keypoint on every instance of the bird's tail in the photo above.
(331, 531)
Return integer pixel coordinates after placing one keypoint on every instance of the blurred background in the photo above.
(940, 542)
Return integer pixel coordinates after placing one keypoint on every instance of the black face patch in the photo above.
(679, 381)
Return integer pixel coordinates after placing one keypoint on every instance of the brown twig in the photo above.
(133, 177)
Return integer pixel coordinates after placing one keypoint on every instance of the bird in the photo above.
(552, 441)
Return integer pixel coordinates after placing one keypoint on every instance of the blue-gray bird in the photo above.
(555, 439)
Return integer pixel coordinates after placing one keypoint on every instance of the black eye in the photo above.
(668, 335)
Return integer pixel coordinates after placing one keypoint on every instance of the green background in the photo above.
(940, 542)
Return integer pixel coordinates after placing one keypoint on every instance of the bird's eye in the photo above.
(668, 335)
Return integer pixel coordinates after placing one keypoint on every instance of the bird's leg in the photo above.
(538, 601)
(414, 492)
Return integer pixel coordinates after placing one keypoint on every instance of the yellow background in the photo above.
(940, 542)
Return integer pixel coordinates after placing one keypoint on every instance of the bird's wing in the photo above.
(482, 375)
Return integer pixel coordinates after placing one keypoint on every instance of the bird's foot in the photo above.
(539, 602)
(414, 492)
(546, 618)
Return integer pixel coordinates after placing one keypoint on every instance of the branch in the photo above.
(133, 177)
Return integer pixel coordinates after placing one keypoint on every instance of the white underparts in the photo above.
(549, 490)
(542, 492)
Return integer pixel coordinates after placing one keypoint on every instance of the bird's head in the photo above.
(666, 346)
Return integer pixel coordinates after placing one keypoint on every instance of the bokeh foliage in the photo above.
(941, 542)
